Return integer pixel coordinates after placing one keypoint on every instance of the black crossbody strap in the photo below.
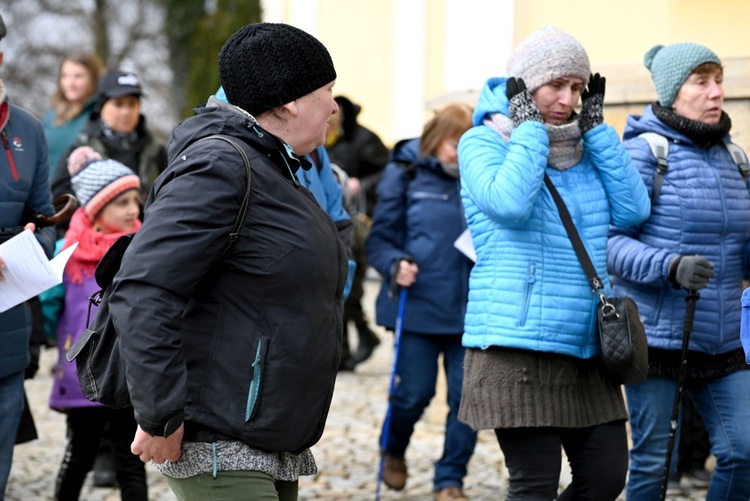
(235, 233)
(575, 238)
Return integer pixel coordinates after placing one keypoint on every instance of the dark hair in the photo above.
(450, 122)
(349, 112)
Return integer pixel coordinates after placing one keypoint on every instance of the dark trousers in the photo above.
(85, 426)
(598, 458)
(694, 447)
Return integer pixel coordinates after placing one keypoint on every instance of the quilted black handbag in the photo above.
(621, 331)
(99, 365)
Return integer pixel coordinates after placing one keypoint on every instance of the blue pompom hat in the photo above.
(671, 65)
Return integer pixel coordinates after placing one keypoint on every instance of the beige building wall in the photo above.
(398, 58)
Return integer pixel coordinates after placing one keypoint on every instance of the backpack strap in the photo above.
(739, 158)
(235, 233)
(660, 148)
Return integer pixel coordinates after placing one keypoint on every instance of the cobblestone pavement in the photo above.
(347, 454)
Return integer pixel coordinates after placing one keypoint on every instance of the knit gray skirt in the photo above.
(506, 388)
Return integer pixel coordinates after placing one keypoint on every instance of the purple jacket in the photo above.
(66, 392)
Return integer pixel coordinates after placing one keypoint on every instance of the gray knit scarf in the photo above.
(565, 146)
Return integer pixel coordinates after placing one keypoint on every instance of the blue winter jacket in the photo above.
(24, 187)
(703, 208)
(419, 214)
(527, 289)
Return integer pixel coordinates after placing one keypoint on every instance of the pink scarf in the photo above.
(92, 245)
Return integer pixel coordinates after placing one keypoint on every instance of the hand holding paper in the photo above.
(27, 270)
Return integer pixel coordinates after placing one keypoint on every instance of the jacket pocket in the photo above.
(253, 394)
(530, 279)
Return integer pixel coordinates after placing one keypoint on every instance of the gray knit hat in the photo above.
(98, 181)
(671, 65)
(546, 55)
(265, 65)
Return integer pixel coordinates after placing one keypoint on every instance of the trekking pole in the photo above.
(387, 423)
(687, 328)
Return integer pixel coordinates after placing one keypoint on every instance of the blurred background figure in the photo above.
(117, 130)
(360, 153)
(72, 103)
(417, 218)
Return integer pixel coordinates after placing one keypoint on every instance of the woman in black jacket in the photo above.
(231, 358)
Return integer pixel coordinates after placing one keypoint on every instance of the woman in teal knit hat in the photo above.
(696, 239)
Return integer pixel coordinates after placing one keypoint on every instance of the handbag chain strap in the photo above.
(578, 247)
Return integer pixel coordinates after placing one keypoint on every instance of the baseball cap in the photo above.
(119, 83)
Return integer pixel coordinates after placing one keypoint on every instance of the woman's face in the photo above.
(76, 82)
(122, 114)
(120, 214)
(308, 129)
(557, 99)
(701, 96)
(447, 151)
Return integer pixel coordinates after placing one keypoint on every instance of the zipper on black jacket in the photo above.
(11, 161)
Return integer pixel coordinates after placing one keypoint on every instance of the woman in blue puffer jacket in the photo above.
(533, 370)
(417, 219)
(697, 238)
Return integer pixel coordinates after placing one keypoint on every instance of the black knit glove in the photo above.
(592, 111)
(690, 272)
(522, 106)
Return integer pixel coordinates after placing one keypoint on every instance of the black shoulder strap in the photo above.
(234, 235)
(575, 238)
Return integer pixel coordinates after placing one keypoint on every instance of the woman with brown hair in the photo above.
(72, 102)
(417, 218)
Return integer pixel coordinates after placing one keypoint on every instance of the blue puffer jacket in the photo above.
(527, 289)
(24, 187)
(419, 214)
(703, 208)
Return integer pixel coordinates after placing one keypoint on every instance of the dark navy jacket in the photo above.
(419, 214)
(24, 188)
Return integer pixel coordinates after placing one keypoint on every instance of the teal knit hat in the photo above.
(671, 65)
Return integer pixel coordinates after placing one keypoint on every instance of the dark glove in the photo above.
(592, 111)
(522, 106)
(690, 272)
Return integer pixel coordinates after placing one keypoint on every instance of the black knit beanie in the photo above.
(265, 65)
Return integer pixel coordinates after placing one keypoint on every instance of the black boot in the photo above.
(368, 340)
(347, 363)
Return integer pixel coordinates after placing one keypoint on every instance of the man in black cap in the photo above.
(24, 189)
(117, 130)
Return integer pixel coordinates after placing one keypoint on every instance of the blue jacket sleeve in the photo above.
(504, 179)
(627, 256)
(628, 198)
(334, 201)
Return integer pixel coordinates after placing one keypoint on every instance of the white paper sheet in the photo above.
(465, 244)
(27, 271)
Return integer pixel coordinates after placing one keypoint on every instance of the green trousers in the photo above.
(233, 486)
